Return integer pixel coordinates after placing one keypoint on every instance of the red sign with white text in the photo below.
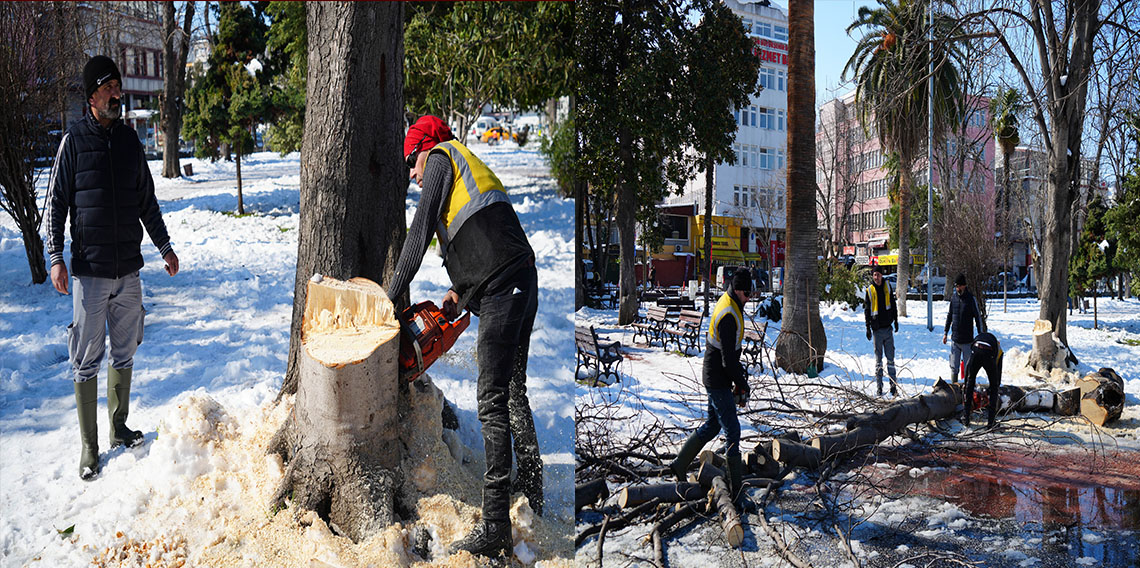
(763, 49)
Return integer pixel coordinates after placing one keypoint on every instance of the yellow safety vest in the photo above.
(726, 306)
(473, 187)
(873, 298)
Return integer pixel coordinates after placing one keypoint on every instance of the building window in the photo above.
(752, 110)
(150, 63)
(781, 33)
(764, 29)
(677, 227)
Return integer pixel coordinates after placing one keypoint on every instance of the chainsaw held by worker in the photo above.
(425, 335)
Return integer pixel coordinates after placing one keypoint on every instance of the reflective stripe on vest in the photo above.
(473, 187)
(725, 306)
(873, 299)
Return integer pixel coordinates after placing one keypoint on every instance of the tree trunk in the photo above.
(802, 342)
(627, 222)
(34, 250)
(241, 202)
(729, 517)
(353, 181)
(1044, 347)
(664, 492)
(342, 442)
(866, 430)
(709, 180)
(174, 84)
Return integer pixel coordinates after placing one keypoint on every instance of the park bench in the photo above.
(592, 353)
(752, 347)
(650, 327)
(685, 332)
(676, 302)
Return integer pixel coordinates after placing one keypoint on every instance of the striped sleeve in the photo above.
(60, 187)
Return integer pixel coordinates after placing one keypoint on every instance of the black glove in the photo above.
(896, 325)
(868, 333)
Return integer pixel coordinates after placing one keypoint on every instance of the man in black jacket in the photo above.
(880, 313)
(101, 180)
(491, 266)
(721, 372)
(960, 320)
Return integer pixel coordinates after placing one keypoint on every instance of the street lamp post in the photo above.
(929, 167)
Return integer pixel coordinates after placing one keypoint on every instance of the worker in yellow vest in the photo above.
(722, 371)
(491, 266)
(880, 314)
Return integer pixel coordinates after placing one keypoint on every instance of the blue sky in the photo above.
(832, 46)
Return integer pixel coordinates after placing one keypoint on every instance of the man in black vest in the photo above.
(491, 266)
(101, 180)
(960, 320)
(880, 312)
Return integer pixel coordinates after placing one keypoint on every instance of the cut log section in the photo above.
(796, 454)
(590, 492)
(343, 441)
(1044, 347)
(1102, 396)
(635, 495)
(760, 462)
(729, 517)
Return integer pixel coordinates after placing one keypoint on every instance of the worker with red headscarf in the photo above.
(491, 266)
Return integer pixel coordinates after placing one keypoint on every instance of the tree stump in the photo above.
(1044, 347)
(1102, 396)
(343, 441)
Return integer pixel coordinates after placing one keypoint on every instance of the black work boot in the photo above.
(488, 538)
(894, 387)
(879, 382)
(86, 397)
(690, 449)
(118, 406)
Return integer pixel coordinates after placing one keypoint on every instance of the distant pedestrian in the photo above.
(652, 276)
(960, 320)
(880, 313)
(986, 354)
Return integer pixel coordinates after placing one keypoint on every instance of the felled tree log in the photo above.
(343, 442)
(664, 492)
(729, 517)
(664, 526)
(590, 492)
(1102, 396)
(760, 463)
(796, 454)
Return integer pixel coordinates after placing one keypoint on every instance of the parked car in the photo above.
(496, 134)
(481, 125)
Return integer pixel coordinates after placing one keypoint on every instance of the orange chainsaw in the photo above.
(425, 334)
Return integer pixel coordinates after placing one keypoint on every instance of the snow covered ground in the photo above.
(214, 355)
(661, 391)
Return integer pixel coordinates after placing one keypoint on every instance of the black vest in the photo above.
(105, 207)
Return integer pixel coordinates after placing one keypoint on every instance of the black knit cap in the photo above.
(960, 280)
(877, 268)
(742, 281)
(99, 70)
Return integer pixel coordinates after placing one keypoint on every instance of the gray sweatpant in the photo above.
(101, 305)
(958, 352)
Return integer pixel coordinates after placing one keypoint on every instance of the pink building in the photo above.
(854, 183)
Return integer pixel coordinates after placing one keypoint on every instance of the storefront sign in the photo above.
(776, 251)
(849, 250)
(893, 259)
(763, 49)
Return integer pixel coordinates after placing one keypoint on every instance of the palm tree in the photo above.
(802, 342)
(1004, 109)
(890, 69)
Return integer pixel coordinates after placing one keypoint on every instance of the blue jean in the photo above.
(721, 415)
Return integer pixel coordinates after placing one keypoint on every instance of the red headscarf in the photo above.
(426, 133)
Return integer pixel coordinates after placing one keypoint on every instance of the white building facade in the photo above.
(753, 188)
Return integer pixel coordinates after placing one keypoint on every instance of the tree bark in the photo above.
(174, 83)
(664, 492)
(1044, 347)
(353, 181)
(802, 342)
(729, 517)
(1102, 396)
(342, 442)
(241, 201)
(709, 181)
(627, 223)
(590, 492)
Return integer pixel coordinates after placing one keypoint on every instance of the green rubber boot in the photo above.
(735, 477)
(118, 406)
(86, 397)
(689, 450)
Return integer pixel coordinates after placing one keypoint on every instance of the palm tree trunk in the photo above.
(708, 230)
(802, 342)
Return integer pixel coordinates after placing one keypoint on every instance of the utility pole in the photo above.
(930, 167)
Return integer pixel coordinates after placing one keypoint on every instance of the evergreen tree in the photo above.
(286, 68)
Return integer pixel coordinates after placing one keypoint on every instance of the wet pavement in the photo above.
(1025, 509)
